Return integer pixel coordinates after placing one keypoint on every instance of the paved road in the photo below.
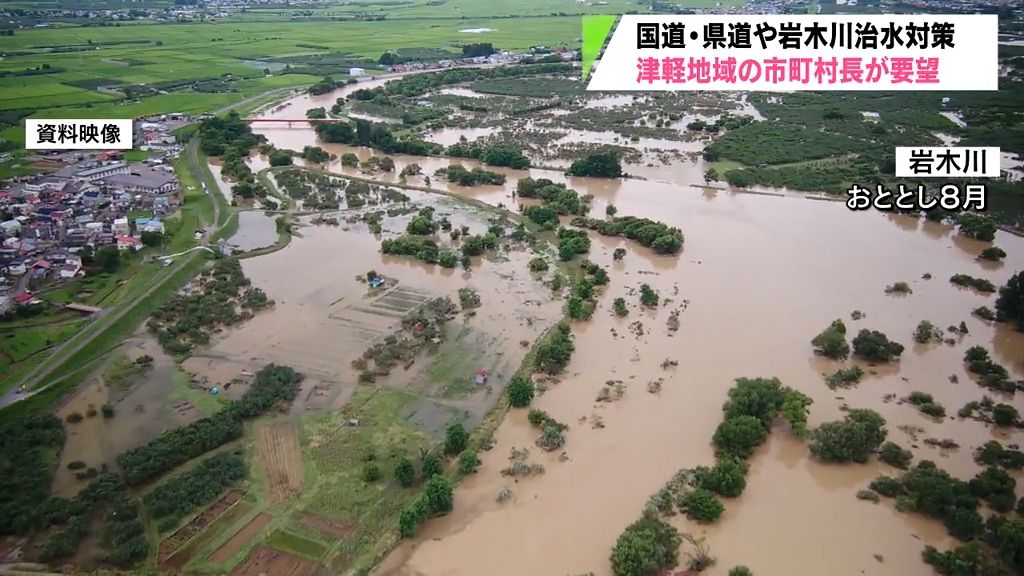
(107, 317)
(103, 320)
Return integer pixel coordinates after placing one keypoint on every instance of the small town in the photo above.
(80, 203)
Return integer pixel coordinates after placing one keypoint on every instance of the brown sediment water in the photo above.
(256, 230)
(760, 276)
(323, 318)
(139, 415)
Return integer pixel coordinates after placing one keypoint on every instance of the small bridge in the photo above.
(293, 120)
(82, 308)
(173, 256)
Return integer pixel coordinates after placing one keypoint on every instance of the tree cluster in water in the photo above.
(660, 237)
(556, 197)
(651, 545)
(458, 174)
(365, 133)
(185, 321)
(180, 495)
(492, 155)
(232, 139)
(994, 547)
(600, 164)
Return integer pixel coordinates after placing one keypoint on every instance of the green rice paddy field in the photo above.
(83, 61)
(70, 71)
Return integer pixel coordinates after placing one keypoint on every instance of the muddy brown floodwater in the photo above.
(323, 318)
(141, 413)
(760, 276)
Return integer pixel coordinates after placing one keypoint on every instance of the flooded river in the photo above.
(760, 276)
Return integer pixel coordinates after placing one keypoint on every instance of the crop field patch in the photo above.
(326, 525)
(265, 560)
(92, 83)
(76, 97)
(176, 551)
(278, 447)
(240, 539)
(287, 541)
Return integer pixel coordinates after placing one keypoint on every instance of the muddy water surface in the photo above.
(760, 280)
(255, 230)
(139, 416)
(324, 317)
(760, 276)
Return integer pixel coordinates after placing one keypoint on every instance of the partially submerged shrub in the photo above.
(647, 546)
(895, 455)
(520, 392)
(875, 346)
(852, 439)
(831, 342)
(701, 505)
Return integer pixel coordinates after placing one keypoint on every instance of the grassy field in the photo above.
(178, 53)
(334, 490)
(21, 344)
(339, 453)
(299, 545)
(207, 404)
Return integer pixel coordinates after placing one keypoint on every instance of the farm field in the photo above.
(278, 447)
(239, 539)
(176, 550)
(270, 561)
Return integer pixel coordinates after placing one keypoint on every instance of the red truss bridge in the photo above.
(292, 120)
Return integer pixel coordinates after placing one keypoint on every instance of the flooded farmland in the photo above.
(255, 230)
(149, 402)
(324, 318)
(758, 277)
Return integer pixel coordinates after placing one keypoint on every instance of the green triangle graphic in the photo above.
(595, 32)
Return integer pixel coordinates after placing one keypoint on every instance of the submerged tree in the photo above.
(520, 392)
(1010, 304)
(852, 439)
(646, 547)
(875, 346)
(831, 342)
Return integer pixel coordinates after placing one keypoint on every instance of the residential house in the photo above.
(124, 200)
(149, 225)
(23, 299)
(92, 198)
(77, 237)
(121, 227)
(42, 231)
(128, 242)
(41, 268)
(70, 269)
(43, 185)
(103, 238)
(10, 228)
(16, 268)
(161, 204)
